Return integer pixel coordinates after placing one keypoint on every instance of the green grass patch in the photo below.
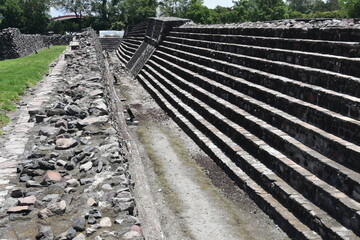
(18, 74)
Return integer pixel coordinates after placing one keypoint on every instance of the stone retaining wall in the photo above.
(14, 44)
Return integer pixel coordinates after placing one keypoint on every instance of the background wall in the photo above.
(14, 44)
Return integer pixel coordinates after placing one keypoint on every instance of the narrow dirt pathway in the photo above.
(194, 198)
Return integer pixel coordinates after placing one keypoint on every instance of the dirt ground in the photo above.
(181, 193)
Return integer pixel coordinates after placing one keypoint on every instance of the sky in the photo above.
(209, 3)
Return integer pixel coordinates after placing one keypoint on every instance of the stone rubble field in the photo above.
(72, 177)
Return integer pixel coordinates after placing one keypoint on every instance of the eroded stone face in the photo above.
(72, 152)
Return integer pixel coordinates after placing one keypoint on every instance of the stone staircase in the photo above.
(278, 110)
(110, 43)
(131, 42)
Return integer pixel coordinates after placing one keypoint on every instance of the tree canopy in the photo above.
(32, 16)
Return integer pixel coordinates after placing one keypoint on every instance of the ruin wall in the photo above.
(14, 44)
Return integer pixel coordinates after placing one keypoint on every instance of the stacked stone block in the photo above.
(276, 105)
(14, 44)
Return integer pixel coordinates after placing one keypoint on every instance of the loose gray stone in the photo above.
(105, 222)
(55, 209)
(65, 143)
(70, 233)
(79, 225)
(72, 183)
(84, 181)
(45, 233)
(80, 237)
(86, 167)
(90, 231)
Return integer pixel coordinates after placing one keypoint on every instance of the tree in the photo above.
(78, 7)
(261, 10)
(173, 8)
(351, 8)
(137, 11)
(199, 13)
(29, 16)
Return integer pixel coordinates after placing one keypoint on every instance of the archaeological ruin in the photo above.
(120, 139)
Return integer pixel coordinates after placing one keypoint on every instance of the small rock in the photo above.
(95, 93)
(69, 190)
(86, 167)
(70, 233)
(91, 220)
(91, 120)
(45, 233)
(69, 166)
(32, 183)
(72, 110)
(54, 155)
(80, 237)
(95, 213)
(65, 143)
(72, 183)
(17, 193)
(25, 178)
(98, 238)
(52, 176)
(132, 235)
(19, 209)
(45, 165)
(50, 197)
(107, 187)
(84, 181)
(54, 209)
(39, 204)
(90, 231)
(26, 201)
(105, 222)
(91, 202)
(61, 163)
(137, 229)
(79, 225)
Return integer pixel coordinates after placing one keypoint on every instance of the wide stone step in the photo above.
(329, 62)
(286, 220)
(330, 34)
(338, 149)
(347, 49)
(135, 35)
(128, 53)
(132, 41)
(131, 44)
(259, 172)
(129, 48)
(123, 54)
(121, 58)
(325, 79)
(333, 173)
(135, 38)
(289, 96)
(311, 187)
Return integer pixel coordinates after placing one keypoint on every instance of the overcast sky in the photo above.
(208, 3)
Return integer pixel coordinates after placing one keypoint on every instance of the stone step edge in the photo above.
(286, 220)
(346, 45)
(331, 138)
(121, 58)
(129, 48)
(348, 174)
(296, 169)
(125, 56)
(281, 53)
(324, 91)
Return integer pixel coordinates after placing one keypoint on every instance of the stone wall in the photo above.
(157, 29)
(14, 44)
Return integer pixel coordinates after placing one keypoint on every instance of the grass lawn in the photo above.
(18, 74)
